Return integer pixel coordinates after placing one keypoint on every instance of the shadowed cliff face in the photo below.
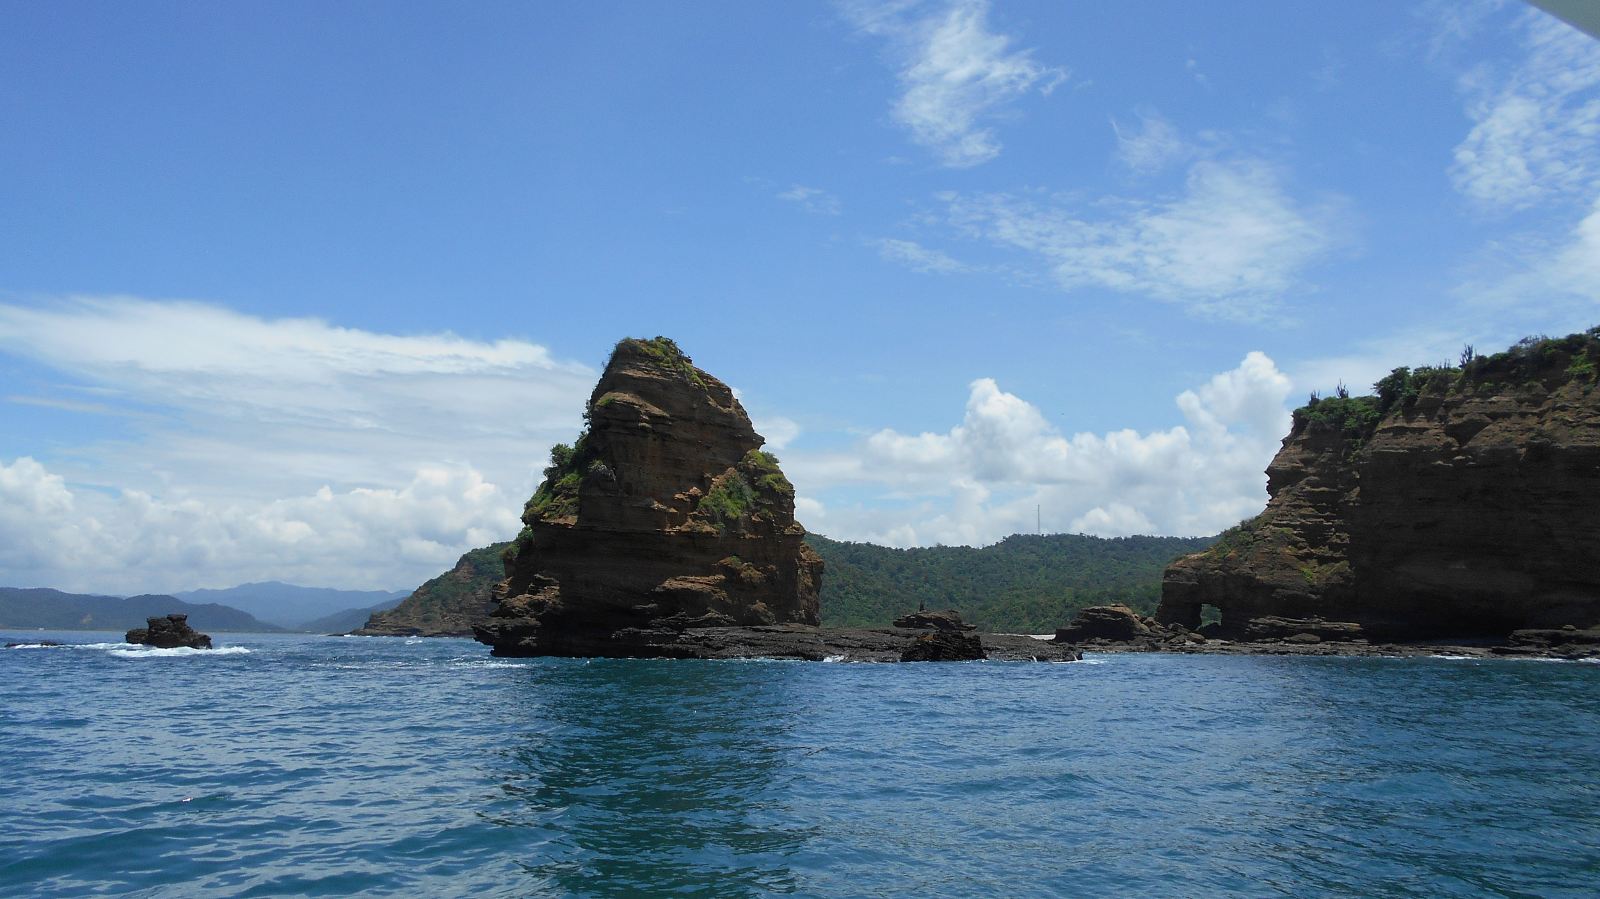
(1459, 502)
(665, 514)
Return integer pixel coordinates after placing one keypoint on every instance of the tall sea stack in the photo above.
(665, 514)
(1457, 502)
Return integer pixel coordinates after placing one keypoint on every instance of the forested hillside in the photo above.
(1023, 584)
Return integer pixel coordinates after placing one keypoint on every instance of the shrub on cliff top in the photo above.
(665, 351)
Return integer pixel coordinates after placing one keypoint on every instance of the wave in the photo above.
(130, 651)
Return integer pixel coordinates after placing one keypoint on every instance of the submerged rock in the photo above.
(664, 516)
(1457, 503)
(169, 632)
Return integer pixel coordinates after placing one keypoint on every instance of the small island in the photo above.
(168, 632)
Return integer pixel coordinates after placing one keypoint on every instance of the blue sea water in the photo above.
(286, 765)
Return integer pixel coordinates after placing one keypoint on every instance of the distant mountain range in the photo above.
(261, 608)
(55, 610)
(297, 608)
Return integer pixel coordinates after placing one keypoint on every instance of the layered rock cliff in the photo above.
(664, 515)
(1458, 501)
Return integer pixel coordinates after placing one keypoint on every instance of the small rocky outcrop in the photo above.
(665, 515)
(944, 646)
(169, 632)
(1115, 623)
(1458, 502)
(1298, 629)
(942, 620)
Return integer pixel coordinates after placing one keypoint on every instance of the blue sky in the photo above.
(305, 291)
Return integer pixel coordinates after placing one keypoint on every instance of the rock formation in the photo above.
(943, 620)
(664, 515)
(1458, 502)
(168, 632)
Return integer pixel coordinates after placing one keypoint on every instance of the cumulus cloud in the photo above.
(986, 477)
(1536, 124)
(917, 257)
(1229, 245)
(215, 421)
(132, 541)
(956, 75)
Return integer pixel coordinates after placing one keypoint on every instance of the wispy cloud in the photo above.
(917, 257)
(956, 75)
(1536, 124)
(240, 415)
(1150, 146)
(812, 199)
(1229, 245)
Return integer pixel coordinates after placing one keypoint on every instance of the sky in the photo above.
(305, 291)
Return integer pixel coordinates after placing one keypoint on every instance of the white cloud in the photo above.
(812, 199)
(917, 257)
(1153, 146)
(133, 542)
(1536, 125)
(985, 477)
(218, 416)
(1229, 245)
(956, 75)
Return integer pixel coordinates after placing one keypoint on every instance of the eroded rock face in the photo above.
(1457, 503)
(665, 515)
(168, 632)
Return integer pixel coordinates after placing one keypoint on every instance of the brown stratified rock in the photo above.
(168, 632)
(1274, 628)
(942, 620)
(944, 646)
(664, 516)
(1456, 503)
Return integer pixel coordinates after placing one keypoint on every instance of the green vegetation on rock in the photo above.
(1547, 361)
(665, 351)
(451, 601)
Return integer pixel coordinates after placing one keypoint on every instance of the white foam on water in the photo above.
(35, 646)
(833, 658)
(126, 651)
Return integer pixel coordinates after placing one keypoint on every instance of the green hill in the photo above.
(1023, 584)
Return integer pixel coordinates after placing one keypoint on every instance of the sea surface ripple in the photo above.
(292, 765)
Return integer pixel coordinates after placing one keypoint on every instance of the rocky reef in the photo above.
(1458, 502)
(664, 515)
(168, 632)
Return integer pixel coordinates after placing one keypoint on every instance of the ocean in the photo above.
(292, 765)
